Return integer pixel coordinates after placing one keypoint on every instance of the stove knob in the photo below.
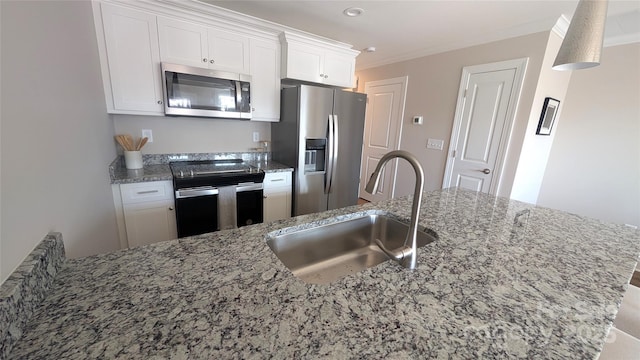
(181, 174)
(192, 173)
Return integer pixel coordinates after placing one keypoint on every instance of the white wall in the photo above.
(594, 165)
(192, 135)
(56, 138)
(534, 154)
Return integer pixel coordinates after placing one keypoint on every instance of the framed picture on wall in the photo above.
(548, 116)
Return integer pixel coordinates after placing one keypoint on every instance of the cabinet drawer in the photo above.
(146, 192)
(277, 179)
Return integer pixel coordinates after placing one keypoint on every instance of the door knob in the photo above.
(486, 171)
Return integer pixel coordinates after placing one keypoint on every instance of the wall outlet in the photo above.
(256, 136)
(435, 144)
(148, 134)
(417, 120)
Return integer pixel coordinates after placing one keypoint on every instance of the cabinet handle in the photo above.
(170, 208)
(326, 76)
(321, 75)
(159, 102)
(204, 60)
(274, 180)
(253, 109)
(147, 192)
(212, 61)
(264, 196)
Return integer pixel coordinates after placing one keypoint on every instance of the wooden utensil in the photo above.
(142, 142)
(130, 142)
(122, 141)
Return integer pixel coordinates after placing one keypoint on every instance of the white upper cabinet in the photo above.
(187, 43)
(228, 51)
(134, 37)
(339, 69)
(309, 60)
(131, 75)
(265, 79)
(304, 63)
(183, 43)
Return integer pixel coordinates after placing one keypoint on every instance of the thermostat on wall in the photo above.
(417, 120)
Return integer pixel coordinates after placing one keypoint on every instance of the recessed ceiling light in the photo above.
(353, 11)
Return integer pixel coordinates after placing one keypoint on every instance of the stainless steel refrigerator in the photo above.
(320, 135)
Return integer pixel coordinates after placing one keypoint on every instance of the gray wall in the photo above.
(594, 165)
(193, 135)
(57, 139)
(432, 92)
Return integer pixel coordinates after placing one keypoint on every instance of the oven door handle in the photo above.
(210, 190)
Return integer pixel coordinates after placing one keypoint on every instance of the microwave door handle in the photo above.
(238, 96)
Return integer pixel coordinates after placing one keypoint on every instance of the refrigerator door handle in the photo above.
(334, 162)
(330, 157)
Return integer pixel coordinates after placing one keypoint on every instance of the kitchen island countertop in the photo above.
(504, 280)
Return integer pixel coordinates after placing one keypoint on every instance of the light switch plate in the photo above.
(148, 134)
(435, 144)
(256, 136)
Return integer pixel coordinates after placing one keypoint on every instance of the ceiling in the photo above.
(401, 30)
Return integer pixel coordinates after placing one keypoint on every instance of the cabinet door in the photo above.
(151, 222)
(228, 51)
(339, 69)
(277, 204)
(183, 43)
(131, 41)
(304, 63)
(277, 196)
(265, 80)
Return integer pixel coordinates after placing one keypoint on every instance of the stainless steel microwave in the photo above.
(192, 91)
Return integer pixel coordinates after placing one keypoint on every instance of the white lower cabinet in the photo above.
(277, 196)
(148, 212)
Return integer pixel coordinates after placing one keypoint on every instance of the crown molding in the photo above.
(561, 26)
(211, 15)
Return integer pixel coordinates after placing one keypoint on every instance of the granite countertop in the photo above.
(503, 280)
(156, 168)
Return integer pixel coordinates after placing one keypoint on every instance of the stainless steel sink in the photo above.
(325, 253)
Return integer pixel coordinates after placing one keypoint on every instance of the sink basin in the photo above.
(325, 253)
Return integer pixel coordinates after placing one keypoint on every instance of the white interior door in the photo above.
(486, 108)
(382, 127)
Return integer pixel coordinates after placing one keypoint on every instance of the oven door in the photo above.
(196, 211)
(197, 208)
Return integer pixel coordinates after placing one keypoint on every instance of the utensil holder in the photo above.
(133, 159)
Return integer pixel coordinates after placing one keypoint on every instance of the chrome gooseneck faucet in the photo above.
(406, 255)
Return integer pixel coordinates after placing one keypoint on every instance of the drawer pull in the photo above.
(147, 192)
(274, 180)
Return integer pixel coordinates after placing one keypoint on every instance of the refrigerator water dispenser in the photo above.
(314, 155)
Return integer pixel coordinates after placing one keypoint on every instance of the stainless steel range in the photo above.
(215, 195)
